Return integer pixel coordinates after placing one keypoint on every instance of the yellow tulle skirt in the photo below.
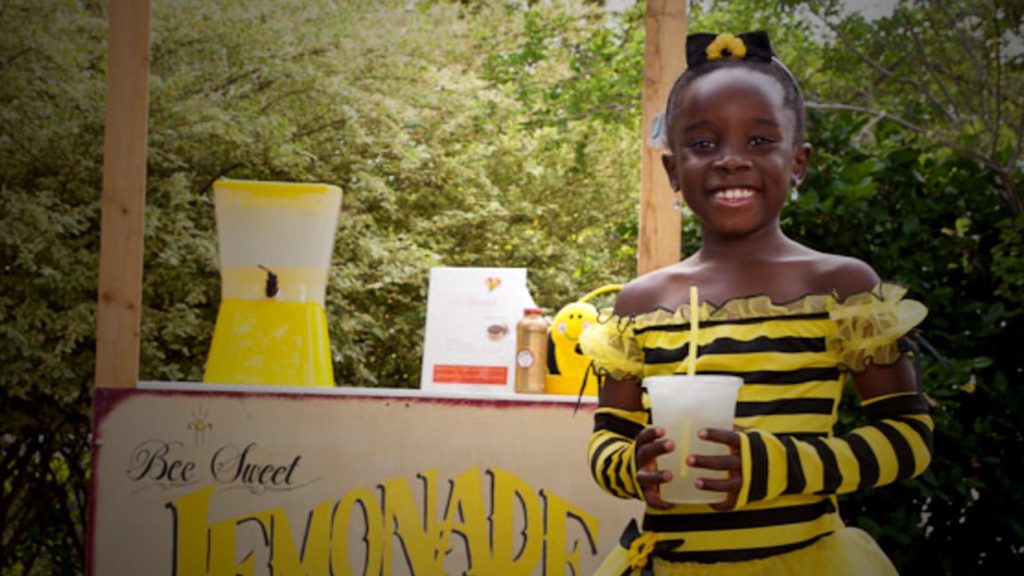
(847, 552)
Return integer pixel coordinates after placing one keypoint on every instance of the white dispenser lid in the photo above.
(275, 224)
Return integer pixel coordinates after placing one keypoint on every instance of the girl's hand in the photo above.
(731, 463)
(649, 445)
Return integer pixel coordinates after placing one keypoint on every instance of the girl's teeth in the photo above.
(734, 193)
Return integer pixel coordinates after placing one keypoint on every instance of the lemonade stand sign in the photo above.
(196, 479)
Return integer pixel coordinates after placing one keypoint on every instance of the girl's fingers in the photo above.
(729, 462)
(651, 483)
(653, 498)
(728, 504)
(725, 485)
(649, 434)
(649, 446)
(730, 486)
(653, 478)
(727, 437)
(646, 454)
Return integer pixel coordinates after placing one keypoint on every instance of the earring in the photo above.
(678, 204)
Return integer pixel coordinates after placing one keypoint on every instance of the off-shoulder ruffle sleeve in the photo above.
(870, 324)
(611, 344)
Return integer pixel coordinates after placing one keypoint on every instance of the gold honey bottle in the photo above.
(531, 352)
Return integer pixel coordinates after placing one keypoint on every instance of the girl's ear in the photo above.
(801, 160)
(669, 162)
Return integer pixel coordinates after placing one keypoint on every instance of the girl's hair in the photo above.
(793, 98)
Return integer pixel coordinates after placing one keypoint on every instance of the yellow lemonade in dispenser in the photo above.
(275, 241)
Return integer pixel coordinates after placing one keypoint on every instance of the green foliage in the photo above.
(951, 72)
(468, 133)
(934, 221)
(569, 67)
(51, 101)
(436, 166)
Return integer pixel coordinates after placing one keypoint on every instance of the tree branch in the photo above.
(1020, 137)
(922, 56)
(994, 146)
(1008, 189)
(10, 60)
(965, 40)
(3, 11)
(876, 65)
(307, 131)
(220, 174)
(284, 96)
(971, 50)
(879, 114)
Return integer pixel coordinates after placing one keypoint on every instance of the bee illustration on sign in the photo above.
(200, 424)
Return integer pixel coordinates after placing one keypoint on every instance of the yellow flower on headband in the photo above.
(726, 46)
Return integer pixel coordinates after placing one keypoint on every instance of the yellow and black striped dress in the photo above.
(793, 359)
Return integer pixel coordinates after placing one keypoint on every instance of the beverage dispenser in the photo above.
(275, 241)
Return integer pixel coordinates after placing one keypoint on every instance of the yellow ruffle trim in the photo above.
(868, 326)
(611, 344)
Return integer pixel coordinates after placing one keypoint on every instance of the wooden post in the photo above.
(124, 195)
(664, 60)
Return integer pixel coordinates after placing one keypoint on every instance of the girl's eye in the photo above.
(761, 141)
(701, 144)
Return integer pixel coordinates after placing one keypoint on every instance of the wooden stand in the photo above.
(664, 60)
(124, 196)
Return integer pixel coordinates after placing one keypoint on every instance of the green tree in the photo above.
(950, 72)
(51, 102)
(436, 166)
(931, 219)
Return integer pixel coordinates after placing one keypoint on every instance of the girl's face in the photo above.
(733, 151)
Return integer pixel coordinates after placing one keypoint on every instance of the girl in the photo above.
(791, 321)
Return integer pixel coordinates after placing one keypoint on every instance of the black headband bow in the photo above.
(703, 48)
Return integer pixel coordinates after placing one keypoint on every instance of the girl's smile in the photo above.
(734, 197)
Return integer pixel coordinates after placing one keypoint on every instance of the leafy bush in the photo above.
(935, 222)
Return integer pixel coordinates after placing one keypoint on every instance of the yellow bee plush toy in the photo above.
(566, 365)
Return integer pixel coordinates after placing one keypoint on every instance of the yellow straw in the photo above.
(694, 327)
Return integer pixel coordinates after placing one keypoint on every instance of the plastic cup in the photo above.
(683, 405)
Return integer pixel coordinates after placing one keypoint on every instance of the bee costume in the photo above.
(794, 359)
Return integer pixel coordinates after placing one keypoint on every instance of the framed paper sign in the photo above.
(470, 338)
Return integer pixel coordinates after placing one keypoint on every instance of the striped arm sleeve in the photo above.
(611, 450)
(895, 445)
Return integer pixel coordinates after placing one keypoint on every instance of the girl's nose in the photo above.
(730, 162)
